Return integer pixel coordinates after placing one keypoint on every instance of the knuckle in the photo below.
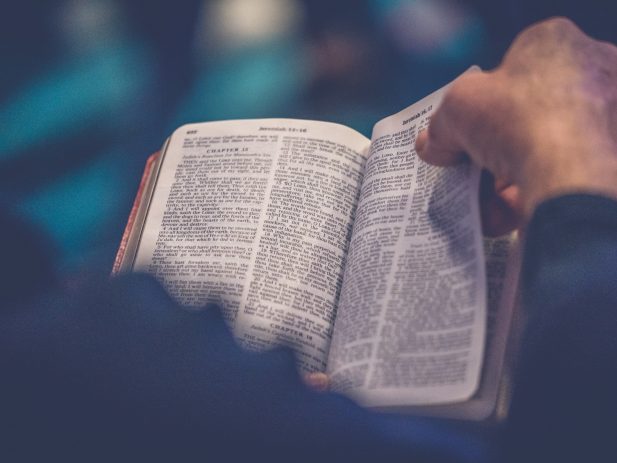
(609, 50)
(559, 23)
(461, 91)
(546, 40)
(551, 29)
(555, 26)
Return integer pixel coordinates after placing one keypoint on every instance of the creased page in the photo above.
(411, 322)
(257, 214)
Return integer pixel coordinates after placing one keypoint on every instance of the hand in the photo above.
(544, 123)
(500, 206)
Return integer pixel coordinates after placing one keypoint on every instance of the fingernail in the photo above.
(318, 381)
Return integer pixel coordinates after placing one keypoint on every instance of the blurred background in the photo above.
(90, 88)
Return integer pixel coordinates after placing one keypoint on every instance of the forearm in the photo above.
(564, 406)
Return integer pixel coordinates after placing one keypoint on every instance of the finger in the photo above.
(437, 149)
(317, 381)
(497, 218)
(499, 206)
(445, 141)
(421, 141)
(511, 195)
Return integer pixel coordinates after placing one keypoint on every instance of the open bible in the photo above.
(369, 263)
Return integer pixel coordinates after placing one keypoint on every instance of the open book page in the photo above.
(503, 261)
(257, 214)
(411, 321)
(491, 400)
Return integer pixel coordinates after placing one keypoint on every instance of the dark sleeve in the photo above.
(565, 400)
(119, 372)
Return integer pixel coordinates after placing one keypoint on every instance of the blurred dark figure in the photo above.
(353, 61)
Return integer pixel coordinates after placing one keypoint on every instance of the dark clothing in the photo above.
(118, 372)
(565, 406)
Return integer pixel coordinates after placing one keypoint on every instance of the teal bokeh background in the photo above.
(92, 87)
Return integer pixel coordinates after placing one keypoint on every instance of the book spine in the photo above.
(132, 216)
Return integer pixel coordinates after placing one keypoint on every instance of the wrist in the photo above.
(544, 179)
(565, 154)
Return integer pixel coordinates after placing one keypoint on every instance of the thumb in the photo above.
(452, 124)
(434, 151)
